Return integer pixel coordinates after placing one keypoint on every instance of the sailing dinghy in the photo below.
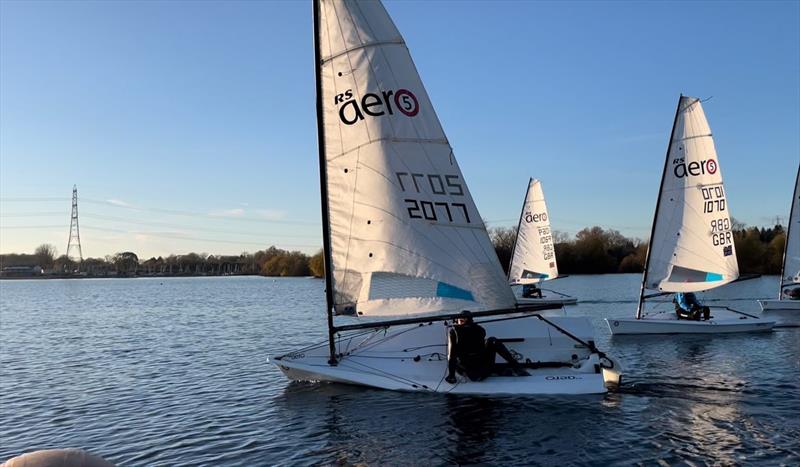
(786, 309)
(533, 259)
(691, 243)
(403, 241)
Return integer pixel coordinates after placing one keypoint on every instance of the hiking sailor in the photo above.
(688, 307)
(531, 291)
(469, 353)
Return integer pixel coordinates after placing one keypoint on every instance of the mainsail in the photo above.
(691, 248)
(790, 273)
(534, 258)
(405, 236)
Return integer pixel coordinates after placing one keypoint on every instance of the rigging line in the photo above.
(376, 371)
(184, 226)
(735, 311)
(366, 343)
(353, 336)
(395, 377)
(404, 357)
(386, 337)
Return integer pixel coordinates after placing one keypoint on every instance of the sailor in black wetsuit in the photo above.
(531, 291)
(471, 354)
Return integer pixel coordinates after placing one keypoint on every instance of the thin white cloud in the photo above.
(271, 214)
(119, 202)
(235, 212)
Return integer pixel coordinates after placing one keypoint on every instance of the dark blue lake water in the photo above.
(174, 372)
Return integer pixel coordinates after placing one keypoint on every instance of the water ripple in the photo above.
(174, 372)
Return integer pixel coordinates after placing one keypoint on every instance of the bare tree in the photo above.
(46, 255)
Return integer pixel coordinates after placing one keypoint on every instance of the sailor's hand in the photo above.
(451, 379)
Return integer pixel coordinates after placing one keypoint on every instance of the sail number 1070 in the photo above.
(713, 199)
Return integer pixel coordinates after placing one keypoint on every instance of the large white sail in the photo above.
(691, 248)
(791, 255)
(405, 235)
(534, 257)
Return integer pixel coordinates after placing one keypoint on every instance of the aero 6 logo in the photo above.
(352, 110)
(702, 167)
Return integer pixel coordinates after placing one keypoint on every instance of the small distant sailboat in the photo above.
(786, 309)
(403, 241)
(691, 244)
(533, 259)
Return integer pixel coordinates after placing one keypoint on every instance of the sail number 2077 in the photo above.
(433, 184)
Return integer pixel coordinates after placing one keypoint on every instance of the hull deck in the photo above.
(785, 313)
(722, 321)
(414, 358)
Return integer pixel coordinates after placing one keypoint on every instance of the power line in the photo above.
(31, 199)
(174, 236)
(200, 214)
(32, 227)
(32, 214)
(202, 229)
(187, 237)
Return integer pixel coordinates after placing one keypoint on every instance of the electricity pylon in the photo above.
(74, 242)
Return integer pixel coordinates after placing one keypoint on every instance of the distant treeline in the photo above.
(270, 262)
(593, 250)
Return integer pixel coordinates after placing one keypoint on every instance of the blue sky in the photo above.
(191, 126)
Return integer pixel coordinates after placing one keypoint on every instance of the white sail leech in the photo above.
(692, 246)
(406, 237)
(791, 256)
(533, 259)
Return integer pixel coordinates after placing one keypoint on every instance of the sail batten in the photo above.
(533, 259)
(406, 236)
(692, 247)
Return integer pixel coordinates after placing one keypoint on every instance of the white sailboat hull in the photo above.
(785, 313)
(664, 323)
(414, 358)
